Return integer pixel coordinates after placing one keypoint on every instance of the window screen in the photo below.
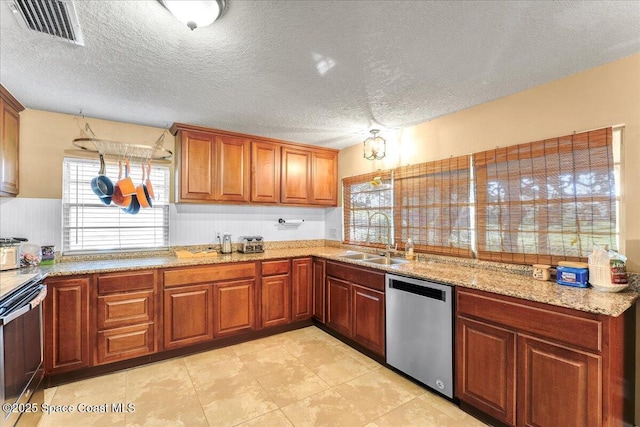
(368, 209)
(546, 201)
(89, 225)
(433, 206)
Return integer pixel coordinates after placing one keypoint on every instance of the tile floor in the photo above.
(298, 378)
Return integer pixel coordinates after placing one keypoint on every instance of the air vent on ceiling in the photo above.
(57, 18)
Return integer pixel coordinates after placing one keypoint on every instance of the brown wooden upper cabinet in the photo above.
(296, 176)
(10, 110)
(265, 172)
(220, 166)
(213, 167)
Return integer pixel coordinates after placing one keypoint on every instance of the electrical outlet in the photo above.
(333, 233)
(217, 235)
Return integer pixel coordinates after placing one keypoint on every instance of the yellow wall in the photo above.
(603, 96)
(45, 136)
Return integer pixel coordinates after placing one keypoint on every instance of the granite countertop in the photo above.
(499, 278)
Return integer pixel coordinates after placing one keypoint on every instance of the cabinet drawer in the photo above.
(126, 282)
(580, 329)
(270, 268)
(125, 309)
(125, 343)
(189, 276)
(361, 276)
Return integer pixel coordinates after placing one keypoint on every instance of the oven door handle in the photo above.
(36, 301)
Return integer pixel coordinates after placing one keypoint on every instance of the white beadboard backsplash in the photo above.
(40, 221)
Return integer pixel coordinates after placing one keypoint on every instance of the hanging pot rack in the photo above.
(122, 149)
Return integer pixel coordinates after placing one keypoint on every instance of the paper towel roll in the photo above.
(290, 221)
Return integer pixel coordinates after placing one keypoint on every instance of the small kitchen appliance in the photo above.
(10, 253)
(251, 245)
(225, 247)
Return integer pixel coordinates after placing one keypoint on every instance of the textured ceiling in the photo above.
(317, 72)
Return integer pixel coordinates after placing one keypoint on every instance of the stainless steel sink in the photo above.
(386, 261)
(360, 256)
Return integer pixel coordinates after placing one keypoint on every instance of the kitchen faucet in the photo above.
(388, 250)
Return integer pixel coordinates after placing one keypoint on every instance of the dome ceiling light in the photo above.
(195, 13)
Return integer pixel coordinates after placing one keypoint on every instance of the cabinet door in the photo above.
(339, 305)
(265, 172)
(302, 290)
(197, 151)
(324, 178)
(66, 325)
(557, 386)
(188, 315)
(9, 146)
(485, 368)
(276, 303)
(296, 176)
(231, 169)
(368, 318)
(234, 307)
(319, 289)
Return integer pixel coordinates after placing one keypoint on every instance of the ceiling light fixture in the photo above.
(375, 147)
(195, 13)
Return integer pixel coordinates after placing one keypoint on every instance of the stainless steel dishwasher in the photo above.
(420, 330)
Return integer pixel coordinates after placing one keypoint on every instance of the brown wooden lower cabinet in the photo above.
(319, 311)
(355, 304)
(276, 304)
(234, 307)
(368, 318)
(486, 369)
(188, 315)
(302, 297)
(558, 386)
(66, 324)
(533, 364)
(339, 305)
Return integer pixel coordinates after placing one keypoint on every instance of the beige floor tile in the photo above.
(419, 412)
(219, 355)
(171, 368)
(268, 360)
(275, 418)
(243, 405)
(327, 408)
(340, 370)
(378, 392)
(49, 393)
(291, 384)
(70, 392)
(88, 410)
(303, 377)
(314, 355)
(163, 394)
(255, 345)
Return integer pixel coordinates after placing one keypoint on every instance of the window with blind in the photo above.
(546, 201)
(89, 225)
(368, 209)
(433, 206)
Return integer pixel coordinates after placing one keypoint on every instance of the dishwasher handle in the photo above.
(424, 291)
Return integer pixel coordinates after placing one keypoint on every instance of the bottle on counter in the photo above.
(408, 249)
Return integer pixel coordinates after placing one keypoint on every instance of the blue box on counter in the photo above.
(570, 276)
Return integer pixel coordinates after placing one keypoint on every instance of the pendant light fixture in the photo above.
(375, 147)
(195, 13)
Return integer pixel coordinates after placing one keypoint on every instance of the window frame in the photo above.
(79, 204)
